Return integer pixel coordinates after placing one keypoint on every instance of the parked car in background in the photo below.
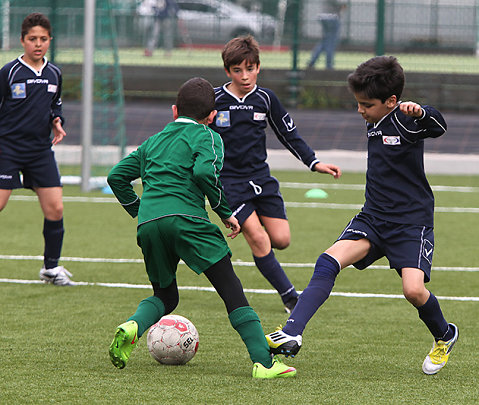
(217, 21)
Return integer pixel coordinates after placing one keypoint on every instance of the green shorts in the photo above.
(198, 242)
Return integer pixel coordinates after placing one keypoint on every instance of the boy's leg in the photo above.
(343, 253)
(245, 320)
(260, 243)
(148, 312)
(50, 199)
(445, 334)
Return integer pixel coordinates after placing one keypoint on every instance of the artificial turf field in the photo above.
(364, 346)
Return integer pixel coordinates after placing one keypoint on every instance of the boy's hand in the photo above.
(232, 223)
(411, 108)
(58, 131)
(328, 168)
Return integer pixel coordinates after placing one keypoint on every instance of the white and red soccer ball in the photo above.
(173, 340)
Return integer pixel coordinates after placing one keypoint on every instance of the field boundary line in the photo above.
(334, 206)
(239, 263)
(246, 290)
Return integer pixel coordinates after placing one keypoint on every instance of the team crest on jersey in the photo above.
(18, 90)
(259, 116)
(391, 140)
(288, 123)
(223, 119)
(52, 88)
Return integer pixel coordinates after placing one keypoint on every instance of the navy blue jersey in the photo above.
(242, 122)
(396, 186)
(29, 101)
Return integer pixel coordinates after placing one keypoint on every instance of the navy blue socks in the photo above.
(430, 313)
(314, 295)
(53, 234)
(271, 269)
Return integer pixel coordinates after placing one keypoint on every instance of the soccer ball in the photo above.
(173, 340)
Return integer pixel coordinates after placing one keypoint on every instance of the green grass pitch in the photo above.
(357, 350)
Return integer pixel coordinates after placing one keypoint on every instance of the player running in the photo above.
(254, 196)
(397, 218)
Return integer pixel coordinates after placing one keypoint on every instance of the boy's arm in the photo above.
(57, 103)
(285, 129)
(120, 178)
(209, 156)
(420, 122)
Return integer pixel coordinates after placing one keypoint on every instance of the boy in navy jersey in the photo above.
(253, 194)
(396, 220)
(30, 109)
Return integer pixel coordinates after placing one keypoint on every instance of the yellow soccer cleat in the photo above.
(125, 340)
(277, 370)
(439, 354)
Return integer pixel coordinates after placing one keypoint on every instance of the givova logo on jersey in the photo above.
(18, 90)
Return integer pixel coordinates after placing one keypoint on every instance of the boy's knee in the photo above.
(280, 243)
(416, 295)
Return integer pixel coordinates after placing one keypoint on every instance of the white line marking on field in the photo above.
(292, 204)
(339, 186)
(247, 290)
(237, 263)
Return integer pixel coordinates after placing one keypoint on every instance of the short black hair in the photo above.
(196, 98)
(33, 20)
(380, 77)
(239, 49)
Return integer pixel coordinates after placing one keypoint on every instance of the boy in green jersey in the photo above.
(179, 167)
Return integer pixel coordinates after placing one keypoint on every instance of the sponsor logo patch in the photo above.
(52, 88)
(18, 90)
(223, 119)
(259, 116)
(391, 140)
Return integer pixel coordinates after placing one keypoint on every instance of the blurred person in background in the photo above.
(331, 29)
(164, 13)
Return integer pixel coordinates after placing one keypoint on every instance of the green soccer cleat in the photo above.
(277, 370)
(439, 354)
(125, 340)
(281, 343)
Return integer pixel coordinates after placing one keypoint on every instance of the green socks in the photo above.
(149, 311)
(246, 322)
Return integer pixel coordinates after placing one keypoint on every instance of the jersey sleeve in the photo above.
(4, 91)
(57, 101)
(430, 125)
(285, 130)
(120, 180)
(208, 162)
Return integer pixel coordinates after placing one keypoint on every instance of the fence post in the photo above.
(380, 14)
(294, 73)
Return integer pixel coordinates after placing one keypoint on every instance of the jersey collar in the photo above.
(240, 100)
(186, 120)
(37, 73)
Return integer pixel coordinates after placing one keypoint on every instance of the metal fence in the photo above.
(410, 25)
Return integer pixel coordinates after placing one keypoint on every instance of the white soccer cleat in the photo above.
(281, 343)
(57, 276)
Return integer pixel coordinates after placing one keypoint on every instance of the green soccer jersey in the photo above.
(178, 167)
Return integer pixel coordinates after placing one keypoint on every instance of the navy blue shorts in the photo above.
(260, 195)
(402, 244)
(38, 171)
